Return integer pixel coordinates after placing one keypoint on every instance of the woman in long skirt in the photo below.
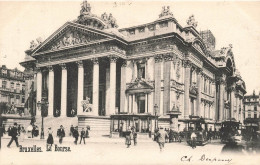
(50, 137)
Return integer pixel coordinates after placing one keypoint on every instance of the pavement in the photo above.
(105, 150)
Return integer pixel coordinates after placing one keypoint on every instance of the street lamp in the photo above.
(156, 115)
(44, 106)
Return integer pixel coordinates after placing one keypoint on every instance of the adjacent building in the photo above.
(252, 106)
(12, 90)
(92, 73)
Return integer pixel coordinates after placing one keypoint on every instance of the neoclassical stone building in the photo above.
(91, 72)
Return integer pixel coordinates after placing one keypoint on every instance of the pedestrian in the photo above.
(193, 138)
(71, 130)
(87, 131)
(128, 138)
(134, 136)
(161, 138)
(9, 130)
(61, 134)
(76, 135)
(19, 129)
(50, 137)
(82, 135)
(22, 133)
(14, 134)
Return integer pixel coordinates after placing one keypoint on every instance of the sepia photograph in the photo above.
(129, 82)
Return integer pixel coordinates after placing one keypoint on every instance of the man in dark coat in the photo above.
(76, 135)
(61, 134)
(82, 135)
(14, 134)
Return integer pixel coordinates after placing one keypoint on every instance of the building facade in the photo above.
(252, 106)
(89, 70)
(12, 90)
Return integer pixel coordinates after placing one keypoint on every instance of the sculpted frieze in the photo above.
(73, 38)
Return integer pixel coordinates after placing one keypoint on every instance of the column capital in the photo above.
(95, 61)
(199, 71)
(50, 68)
(124, 63)
(63, 66)
(168, 57)
(113, 58)
(187, 64)
(158, 58)
(80, 63)
(38, 69)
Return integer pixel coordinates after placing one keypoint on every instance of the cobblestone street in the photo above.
(113, 151)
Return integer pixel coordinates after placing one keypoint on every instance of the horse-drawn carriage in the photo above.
(251, 133)
(229, 129)
(195, 124)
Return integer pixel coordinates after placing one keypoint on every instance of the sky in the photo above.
(236, 23)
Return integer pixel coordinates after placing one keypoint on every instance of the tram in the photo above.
(196, 124)
(229, 128)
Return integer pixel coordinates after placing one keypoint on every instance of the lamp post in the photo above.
(156, 115)
(44, 106)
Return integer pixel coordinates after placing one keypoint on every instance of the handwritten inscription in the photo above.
(205, 158)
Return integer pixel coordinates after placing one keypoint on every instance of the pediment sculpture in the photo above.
(191, 21)
(72, 38)
(165, 12)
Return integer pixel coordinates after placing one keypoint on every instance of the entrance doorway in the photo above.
(141, 103)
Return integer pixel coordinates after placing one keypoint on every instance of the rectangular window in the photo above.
(141, 30)
(4, 84)
(18, 88)
(132, 31)
(141, 70)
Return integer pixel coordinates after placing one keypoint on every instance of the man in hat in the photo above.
(76, 135)
(61, 134)
(161, 138)
(82, 135)
(13, 134)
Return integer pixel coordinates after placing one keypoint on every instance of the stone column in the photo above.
(123, 87)
(80, 86)
(237, 108)
(150, 103)
(130, 104)
(51, 91)
(167, 83)
(198, 102)
(157, 81)
(134, 75)
(95, 85)
(232, 102)
(107, 90)
(39, 91)
(134, 104)
(63, 110)
(187, 66)
(112, 98)
(221, 100)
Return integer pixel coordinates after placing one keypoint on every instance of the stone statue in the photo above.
(39, 40)
(104, 17)
(85, 8)
(191, 21)
(165, 12)
(33, 45)
(112, 21)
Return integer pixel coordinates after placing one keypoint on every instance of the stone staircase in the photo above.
(55, 122)
(10, 122)
(99, 126)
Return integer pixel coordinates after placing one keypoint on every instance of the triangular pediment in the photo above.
(140, 84)
(71, 35)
